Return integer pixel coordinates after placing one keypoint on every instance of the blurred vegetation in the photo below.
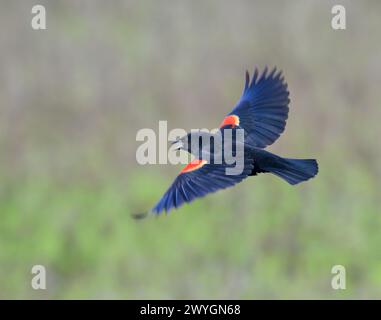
(73, 96)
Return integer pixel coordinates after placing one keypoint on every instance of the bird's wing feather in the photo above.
(199, 178)
(262, 110)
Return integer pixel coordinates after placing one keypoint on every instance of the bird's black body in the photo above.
(256, 121)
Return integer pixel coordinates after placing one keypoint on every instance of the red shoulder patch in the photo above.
(193, 165)
(231, 120)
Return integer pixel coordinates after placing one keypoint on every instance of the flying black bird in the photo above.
(261, 112)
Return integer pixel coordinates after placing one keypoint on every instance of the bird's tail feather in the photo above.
(293, 171)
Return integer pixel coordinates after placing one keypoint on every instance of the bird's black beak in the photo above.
(179, 142)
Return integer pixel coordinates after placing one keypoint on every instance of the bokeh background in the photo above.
(72, 98)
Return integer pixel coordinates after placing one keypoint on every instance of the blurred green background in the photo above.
(72, 98)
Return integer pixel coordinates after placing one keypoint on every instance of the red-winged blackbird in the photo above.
(261, 112)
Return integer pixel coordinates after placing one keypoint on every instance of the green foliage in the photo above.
(262, 239)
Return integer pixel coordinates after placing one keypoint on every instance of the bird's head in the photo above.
(194, 142)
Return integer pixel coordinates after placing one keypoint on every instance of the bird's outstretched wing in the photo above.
(199, 178)
(262, 110)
